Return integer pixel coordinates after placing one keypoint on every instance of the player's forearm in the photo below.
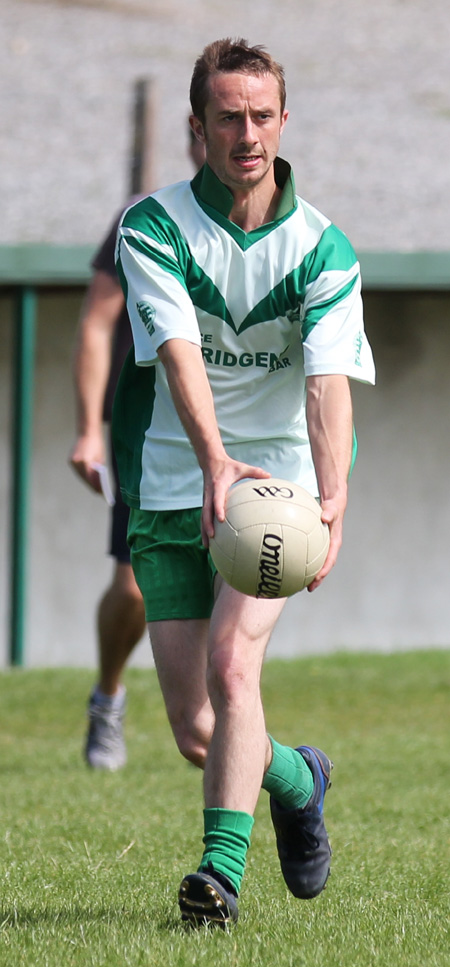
(91, 371)
(330, 428)
(193, 399)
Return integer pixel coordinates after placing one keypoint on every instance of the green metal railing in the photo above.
(21, 445)
(64, 265)
(26, 268)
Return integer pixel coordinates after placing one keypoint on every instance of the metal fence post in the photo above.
(21, 444)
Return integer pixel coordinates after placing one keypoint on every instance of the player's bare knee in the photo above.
(229, 678)
(127, 600)
(132, 596)
(192, 736)
(191, 747)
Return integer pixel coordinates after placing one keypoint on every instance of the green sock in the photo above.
(288, 779)
(226, 839)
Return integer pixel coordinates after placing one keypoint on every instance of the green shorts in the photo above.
(173, 570)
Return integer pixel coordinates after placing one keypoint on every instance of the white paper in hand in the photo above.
(104, 483)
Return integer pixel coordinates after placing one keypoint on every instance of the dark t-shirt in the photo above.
(122, 339)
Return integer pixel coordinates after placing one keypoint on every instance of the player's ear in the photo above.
(197, 128)
(284, 117)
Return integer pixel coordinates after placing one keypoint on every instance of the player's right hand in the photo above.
(87, 451)
(217, 483)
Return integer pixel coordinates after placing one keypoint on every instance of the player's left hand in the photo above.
(333, 515)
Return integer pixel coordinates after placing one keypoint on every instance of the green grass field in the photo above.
(90, 863)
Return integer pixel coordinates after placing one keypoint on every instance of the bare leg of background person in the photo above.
(121, 624)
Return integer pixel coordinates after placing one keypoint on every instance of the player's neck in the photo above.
(255, 207)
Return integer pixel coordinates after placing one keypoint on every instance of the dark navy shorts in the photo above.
(118, 544)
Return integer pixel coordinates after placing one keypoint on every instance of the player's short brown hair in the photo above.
(225, 56)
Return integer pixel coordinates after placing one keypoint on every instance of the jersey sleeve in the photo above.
(334, 339)
(151, 265)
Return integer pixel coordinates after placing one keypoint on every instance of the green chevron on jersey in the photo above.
(266, 309)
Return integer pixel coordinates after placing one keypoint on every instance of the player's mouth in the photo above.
(247, 161)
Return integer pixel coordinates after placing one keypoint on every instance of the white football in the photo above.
(272, 542)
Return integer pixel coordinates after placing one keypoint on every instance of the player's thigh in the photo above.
(241, 626)
(179, 649)
(180, 653)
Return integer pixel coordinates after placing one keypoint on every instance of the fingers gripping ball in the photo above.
(272, 542)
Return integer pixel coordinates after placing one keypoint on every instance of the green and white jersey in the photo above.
(268, 307)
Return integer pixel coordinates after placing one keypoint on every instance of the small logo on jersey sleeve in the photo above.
(147, 313)
(358, 342)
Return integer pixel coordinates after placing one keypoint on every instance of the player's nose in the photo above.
(247, 132)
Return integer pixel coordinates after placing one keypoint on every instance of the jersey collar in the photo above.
(210, 191)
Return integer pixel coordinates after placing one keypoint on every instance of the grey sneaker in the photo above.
(105, 745)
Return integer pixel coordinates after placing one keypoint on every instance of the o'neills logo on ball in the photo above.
(285, 492)
(270, 567)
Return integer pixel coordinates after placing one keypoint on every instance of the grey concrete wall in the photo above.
(389, 588)
(368, 89)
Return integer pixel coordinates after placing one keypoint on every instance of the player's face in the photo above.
(243, 124)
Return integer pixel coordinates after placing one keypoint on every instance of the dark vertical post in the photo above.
(21, 444)
(141, 168)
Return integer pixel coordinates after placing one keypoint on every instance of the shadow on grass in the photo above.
(20, 917)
